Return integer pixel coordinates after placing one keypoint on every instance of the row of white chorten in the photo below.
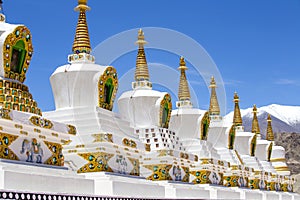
(147, 138)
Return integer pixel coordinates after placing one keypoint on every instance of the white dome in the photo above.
(142, 107)
(77, 84)
(277, 152)
(187, 122)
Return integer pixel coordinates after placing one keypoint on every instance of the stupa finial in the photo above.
(237, 118)
(183, 92)
(270, 134)
(214, 108)
(255, 125)
(81, 42)
(141, 71)
(182, 64)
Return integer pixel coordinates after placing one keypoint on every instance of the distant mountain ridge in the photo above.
(284, 118)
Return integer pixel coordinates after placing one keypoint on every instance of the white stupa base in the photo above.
(184, 190)
(219, 192)
(110, 184)
(252, 194)
(58, 180)
(22, 177)
(287, 196)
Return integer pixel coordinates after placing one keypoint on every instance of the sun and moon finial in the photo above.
(141, 38)
(82, 5)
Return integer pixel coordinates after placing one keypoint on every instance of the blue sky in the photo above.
(255, 44)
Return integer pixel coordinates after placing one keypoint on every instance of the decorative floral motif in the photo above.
(129, 143)
(284, 187)
(72, 129)
(159, 172)
(41, 122)
(253, 183)
(5, 142)
(201, 176)
(57, 157)
(136, 166)
(165, 152)
(66, 142)
(186, 177)
(81, 57)
(97, 162)
(206, 161)
(231, 181)
(271, 186)
(103, 137)
(184, 155)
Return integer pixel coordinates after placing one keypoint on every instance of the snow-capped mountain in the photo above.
(284, 118)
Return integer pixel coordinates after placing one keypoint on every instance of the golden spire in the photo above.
(270, 134)
(141, 70)
(237, 118)
(81, 42)
(184, 91)
(214, 108)
(255, 125)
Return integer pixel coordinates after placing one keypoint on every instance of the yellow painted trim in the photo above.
(80, 146)
(278, 160)
(18, 126)
(24, 132)
(239, 157)
(72, 151)
(282, 169)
